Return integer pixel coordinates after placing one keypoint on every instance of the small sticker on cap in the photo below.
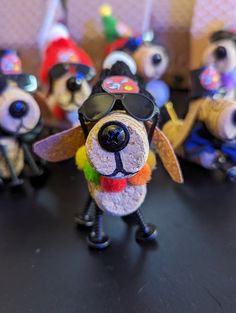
(10, 65)
(68, 56)
(120, 84)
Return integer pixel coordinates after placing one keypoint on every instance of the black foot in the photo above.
(149, 235)
(98, 243)
(40, 179)
(130, 219)
(85, 220)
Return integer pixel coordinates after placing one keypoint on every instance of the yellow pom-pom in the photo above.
(105, 10)
(81, 158)
(152, 160)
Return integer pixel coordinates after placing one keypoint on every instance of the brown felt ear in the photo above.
(48, 118)
(167, 155)
(61, 146)
(42, 103)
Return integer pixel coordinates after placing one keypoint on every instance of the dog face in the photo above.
(152, 61)
(69, 86)
(222, 54)
(19, 112)
(67, 94)
(117, 146)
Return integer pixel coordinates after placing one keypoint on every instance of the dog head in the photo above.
(69, 85)
(19, 112)
(118, 122)
(66, 70)
(221, 51)
(152, 61)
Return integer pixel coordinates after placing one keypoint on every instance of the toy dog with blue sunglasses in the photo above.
(20, 119)
(66, 71)
(112, 147)
(207, 135)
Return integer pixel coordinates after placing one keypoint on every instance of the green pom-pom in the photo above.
(91, 174)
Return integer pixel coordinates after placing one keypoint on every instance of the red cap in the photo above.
(62, 50)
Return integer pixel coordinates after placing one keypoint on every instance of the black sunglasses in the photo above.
(61, 69)
(24, 81)
(137, 105)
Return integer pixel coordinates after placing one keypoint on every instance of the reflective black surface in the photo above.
(46, 266)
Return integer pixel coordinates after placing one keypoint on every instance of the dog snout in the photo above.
(113, 136)
(18, 109)
(73, 84)
(220, 53)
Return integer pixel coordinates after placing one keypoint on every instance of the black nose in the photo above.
(156, 59)
(234, 118)
(113, 136)
(220, 53)
(73, 84)
(18, 109)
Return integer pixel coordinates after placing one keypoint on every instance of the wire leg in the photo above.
(97, 239)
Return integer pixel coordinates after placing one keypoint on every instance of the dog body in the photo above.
(114, 148)
(207, 134)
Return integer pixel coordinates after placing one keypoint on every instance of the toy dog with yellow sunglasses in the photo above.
(20, 119)
(207, 135)
(112, 147)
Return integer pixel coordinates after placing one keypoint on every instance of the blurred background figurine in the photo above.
(221, 54)
(66, 70)
(151, 59)
(207, 134)
(20, 119)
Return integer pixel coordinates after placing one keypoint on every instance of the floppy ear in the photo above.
(167, 155)
(48, 118)
(61, 146)
(41, 100)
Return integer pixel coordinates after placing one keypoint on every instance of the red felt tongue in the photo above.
(113, 185)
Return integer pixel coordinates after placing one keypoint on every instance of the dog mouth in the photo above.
(119, 168)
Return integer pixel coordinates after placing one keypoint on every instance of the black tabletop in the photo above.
(46, 266)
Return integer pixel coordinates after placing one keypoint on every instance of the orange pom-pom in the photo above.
(113, 185)
(142, 177)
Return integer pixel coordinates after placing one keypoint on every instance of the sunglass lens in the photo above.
(3, 83)
(27, 82)
(58, 70)
(97, 106)
(139, 106)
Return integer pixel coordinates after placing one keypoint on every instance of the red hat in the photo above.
(62, 50)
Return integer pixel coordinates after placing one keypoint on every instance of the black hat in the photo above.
(222, 35)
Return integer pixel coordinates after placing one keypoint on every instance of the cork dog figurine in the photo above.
(112, 147)
(207, 135)
(20, 119)
(147, 59)
(66, 71)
